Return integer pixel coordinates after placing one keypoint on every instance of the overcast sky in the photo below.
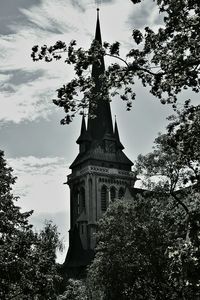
(37, 147)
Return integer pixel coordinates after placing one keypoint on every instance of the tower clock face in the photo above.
(110, 146)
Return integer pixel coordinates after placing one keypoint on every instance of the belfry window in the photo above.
(112, 193)
(121, 192)
(103, 198)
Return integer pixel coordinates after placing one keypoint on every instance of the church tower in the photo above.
(100, 173)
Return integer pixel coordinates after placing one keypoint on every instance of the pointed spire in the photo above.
(98, 69)
(98, 29)
(102, 123)
(83, 126)
(116, 134)
(84, 136)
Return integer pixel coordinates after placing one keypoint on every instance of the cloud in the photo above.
(45, 17)
(27, 90)
(18, 77)
(27, 94)
(4, 78)
(79, 5)
(41, 137)
(145, 14)
(28, 101)
(10, 13)
(40, 183)
(27, 87)
(40, 187)
(106, 1)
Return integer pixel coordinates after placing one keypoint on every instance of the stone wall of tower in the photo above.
(90, 187)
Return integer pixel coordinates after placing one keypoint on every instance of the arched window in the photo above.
(121, 192)
(112, 193)
(82, 200)
(103, 198)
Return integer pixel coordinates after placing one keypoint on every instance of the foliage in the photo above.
(142, 252)
(184, 138)
(27, 258)
(173, 169)
(75, 290)
(175, 161)
(166, 60)
(149, 247)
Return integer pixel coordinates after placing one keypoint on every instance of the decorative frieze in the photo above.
(102, 171)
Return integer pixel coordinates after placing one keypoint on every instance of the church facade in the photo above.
(100, 173)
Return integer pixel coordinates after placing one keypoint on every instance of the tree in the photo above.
(172, 168)
(175, 161)
(75, 290)
(136, 256)
(149, 248)
(27, 258)
(167, 61)
(41, 277)
(184, 138)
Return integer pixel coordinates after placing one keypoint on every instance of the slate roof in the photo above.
(98, 154)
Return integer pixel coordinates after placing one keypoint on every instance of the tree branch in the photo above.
(180, 202)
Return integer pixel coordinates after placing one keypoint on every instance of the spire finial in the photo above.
(98, 3)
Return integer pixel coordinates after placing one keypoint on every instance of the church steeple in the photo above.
(101, 171)
(99, 107)
(116, 134)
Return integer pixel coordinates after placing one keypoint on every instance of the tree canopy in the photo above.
(166, 60)
(142, 252)
(27, 258)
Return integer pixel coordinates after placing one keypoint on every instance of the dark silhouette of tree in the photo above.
(142, 251)
(27, 259)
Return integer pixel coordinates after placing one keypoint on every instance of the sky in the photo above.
(36, 146)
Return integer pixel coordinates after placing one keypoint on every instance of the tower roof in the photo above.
(102, 145)
(99, 106)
